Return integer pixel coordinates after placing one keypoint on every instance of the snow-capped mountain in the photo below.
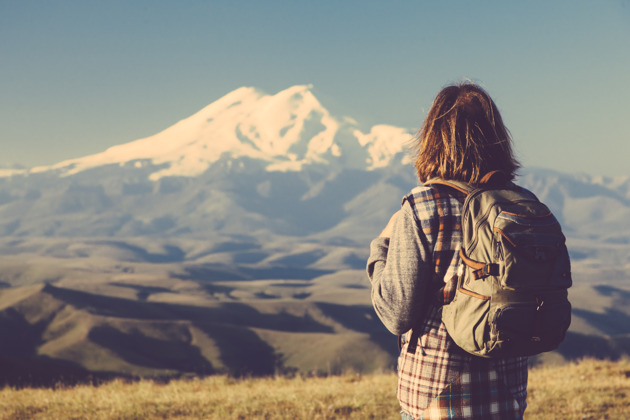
(257, 164)
(287, 131)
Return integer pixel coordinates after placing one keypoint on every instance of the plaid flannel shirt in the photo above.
(410, 274)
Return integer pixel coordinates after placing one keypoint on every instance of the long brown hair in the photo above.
(463, 137)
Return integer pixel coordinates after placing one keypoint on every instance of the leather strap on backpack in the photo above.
(460, 187)
(494, 179)
(482, 270)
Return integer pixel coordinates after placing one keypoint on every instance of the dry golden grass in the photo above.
(352, 397)
(586, 390)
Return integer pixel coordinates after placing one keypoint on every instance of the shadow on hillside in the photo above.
(231, 326)
(612, 322)
(355, 262)
(612, 291)
(249, 257)
(284, 273)
(143, 292)
(215, 272)
(140, 350)
(228, 313)
(46, 372)
(171, 253)
(361, 318)
(302, 259)
(243, 352)
(211, 272)
(577, 346)
(20, 338)
(233, 246)
(215, 289)
(21, 366)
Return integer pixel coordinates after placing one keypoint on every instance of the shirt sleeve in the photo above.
(400, 269)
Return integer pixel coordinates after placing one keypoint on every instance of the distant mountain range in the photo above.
(263, 201)
(255, 163)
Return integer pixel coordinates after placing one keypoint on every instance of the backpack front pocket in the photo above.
(466, 320)
(530, 327)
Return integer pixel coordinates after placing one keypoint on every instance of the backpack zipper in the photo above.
(484, 218)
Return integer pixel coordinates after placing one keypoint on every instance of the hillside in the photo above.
(586, 390)
(191, 326)
(218, 319)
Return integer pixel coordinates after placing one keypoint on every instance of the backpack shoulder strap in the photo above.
(491, 180)
(459, 190)
(494, 179)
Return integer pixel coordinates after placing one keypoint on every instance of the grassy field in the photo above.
(586, 390)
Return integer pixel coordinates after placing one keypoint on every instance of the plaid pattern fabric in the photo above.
(439, 380)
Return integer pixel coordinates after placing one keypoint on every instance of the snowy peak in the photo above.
(291, 123)
(287, 130)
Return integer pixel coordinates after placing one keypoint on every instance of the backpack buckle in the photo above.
(487, 270)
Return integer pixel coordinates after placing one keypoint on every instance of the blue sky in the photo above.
(79, 76)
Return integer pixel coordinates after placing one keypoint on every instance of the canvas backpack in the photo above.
(511, 295)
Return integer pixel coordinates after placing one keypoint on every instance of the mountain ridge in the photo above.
(287, 130)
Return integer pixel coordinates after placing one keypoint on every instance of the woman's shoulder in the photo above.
(420, 192)
(424, 201)
(425, 195)
(523, 190)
